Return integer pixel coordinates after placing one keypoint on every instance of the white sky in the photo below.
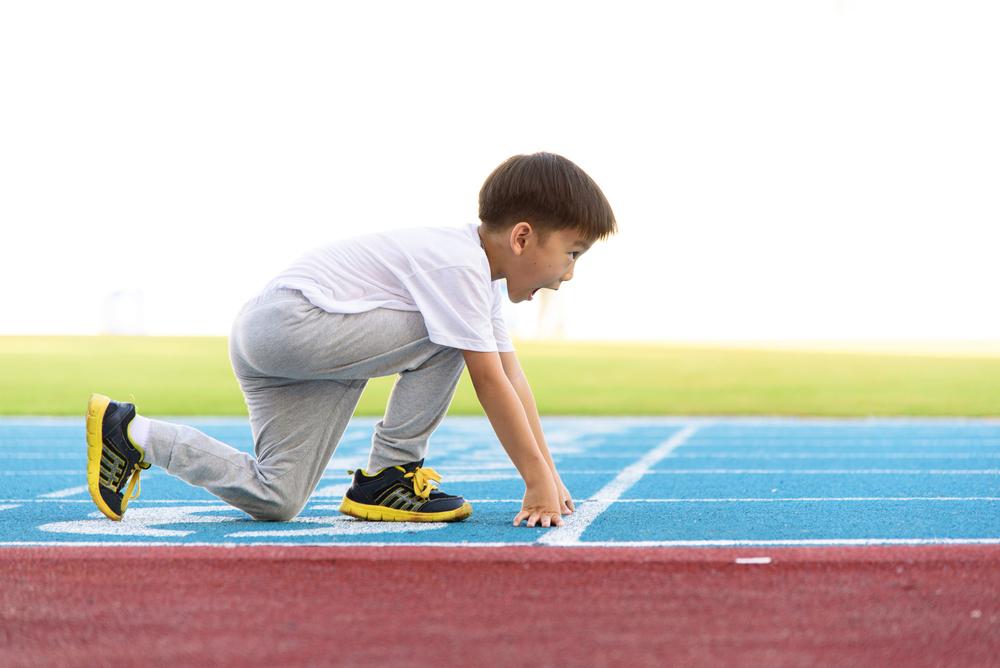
(779, 170)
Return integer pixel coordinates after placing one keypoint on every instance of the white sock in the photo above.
(138, 430)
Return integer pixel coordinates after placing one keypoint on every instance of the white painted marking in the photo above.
(9, 506)
(831, 455)
(340, 525)
(478, 477)
(776, 499)
(87, 500)
(811, 499)
(230, 545)
(753, 560)
(707, 471)
(142, 522)
(823, 472)
(833, 542)
(146, 522)
(337, 490)
(69, 491)
(453, 477)
(47, 456)
(574, 525)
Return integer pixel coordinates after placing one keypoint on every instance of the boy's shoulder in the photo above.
(429, 248)
(426, 234)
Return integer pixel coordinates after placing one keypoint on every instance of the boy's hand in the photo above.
(540, 506)
(565, 498)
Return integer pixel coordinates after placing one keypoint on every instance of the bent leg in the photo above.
(333, 346)
(302, 372)
(297, 426)
(419, 401)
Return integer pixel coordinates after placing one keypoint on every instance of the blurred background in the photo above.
(808, 173)
(780, 170)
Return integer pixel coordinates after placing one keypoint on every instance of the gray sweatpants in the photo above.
(302, 371)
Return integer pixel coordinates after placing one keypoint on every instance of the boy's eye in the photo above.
(574, 254)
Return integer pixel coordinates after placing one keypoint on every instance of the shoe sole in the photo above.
(371, 513)
(96, 408)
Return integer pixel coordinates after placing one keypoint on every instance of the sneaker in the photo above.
(113, 459)
(402, 494)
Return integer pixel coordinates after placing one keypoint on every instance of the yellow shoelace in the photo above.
(134, 482)
(422, 481)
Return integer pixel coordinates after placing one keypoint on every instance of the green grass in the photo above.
(191, 376)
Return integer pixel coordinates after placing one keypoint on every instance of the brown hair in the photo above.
(548, 191)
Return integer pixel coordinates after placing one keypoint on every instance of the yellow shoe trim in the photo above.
(364, 511)
(96, 408)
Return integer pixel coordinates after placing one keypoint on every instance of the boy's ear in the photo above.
(519, 236)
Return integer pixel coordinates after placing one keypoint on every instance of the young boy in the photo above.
(423, 303)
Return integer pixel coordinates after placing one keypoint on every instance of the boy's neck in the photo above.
(493, 254)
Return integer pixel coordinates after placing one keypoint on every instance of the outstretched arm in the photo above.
(515, 374)
(507, 415)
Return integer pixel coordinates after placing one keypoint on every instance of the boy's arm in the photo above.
(512, 369)
(515, 374)
(507, 414)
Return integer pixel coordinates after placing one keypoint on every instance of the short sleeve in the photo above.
(457, 305)
(500, 334)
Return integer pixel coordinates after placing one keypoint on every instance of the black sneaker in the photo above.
(113, 459)
(402, 494)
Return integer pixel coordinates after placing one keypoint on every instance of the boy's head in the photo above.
(540, 212)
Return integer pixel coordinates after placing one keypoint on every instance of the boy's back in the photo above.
(442, 272)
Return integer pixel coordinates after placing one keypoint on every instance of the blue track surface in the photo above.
(637, 481)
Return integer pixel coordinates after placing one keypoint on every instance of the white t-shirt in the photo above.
(442, 272)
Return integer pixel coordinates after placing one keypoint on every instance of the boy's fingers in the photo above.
(538, 518)
(569, 504)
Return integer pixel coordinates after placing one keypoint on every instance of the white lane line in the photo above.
(824, 472)
(9, 506)
(575, 524)
(753, 560)
(839, 455)
(818, 542)
(334, 491)
(69, 491)
(38, 456)
(143, 501)
(796, 542)
(707, 471)
(263, 543)
(807, 499)
(797, 499)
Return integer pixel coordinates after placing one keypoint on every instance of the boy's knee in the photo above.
(280, 507)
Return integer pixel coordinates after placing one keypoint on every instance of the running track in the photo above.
(832, 541)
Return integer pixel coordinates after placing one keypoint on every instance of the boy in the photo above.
(422, 303)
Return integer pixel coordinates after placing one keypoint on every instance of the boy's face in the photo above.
(534, 266)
